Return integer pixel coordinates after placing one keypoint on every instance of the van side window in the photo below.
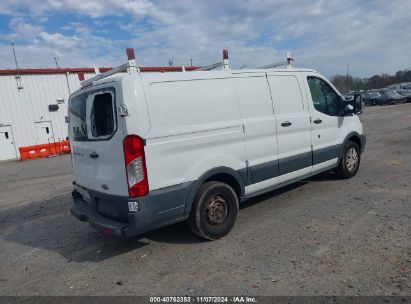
(333, 102)
(324, 98)
(102, 117)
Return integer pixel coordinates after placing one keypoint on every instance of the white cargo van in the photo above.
(150, 150)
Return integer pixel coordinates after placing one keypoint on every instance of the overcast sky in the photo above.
(373, 37)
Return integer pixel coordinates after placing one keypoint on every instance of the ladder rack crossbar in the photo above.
(211, 66)
(273, 65)
(113, 71)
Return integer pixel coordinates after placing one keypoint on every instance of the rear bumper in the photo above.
(109, 213)
(83, 212)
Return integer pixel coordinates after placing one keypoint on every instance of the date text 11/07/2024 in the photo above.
(203, 299)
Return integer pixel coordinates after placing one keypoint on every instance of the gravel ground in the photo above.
(321, 236)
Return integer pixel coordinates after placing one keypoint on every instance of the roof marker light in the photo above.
(132, 61)
(225, 54)
(130, 54)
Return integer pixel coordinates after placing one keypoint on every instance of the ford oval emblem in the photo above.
(104, 186)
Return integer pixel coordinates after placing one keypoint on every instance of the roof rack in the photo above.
(288, 62)
(224, 64)
(130, 66)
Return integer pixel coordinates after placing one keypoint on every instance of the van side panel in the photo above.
(195, 127)
(260, 130)
(134, 97)
(293, 126)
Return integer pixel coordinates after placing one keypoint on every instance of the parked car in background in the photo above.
(371, 98)
(383, 91)
(400, 86)
(391, 97)
(406, 94)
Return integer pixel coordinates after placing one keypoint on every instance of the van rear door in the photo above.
(96, 136)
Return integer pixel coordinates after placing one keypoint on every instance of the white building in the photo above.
(33, 106)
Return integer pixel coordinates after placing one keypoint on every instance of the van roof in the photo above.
(216, 74)
(226, 72)
(273, 70)
(198, 74)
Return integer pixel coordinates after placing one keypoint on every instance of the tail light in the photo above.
(135, 162)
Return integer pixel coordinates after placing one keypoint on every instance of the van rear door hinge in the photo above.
(122, 110)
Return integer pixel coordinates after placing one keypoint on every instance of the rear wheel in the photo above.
(214, 210)
(350, 161)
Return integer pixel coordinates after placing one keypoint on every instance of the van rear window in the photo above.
(77, 118)
(102, 118)
(92, 116)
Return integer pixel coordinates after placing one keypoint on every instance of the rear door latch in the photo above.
(122, 110)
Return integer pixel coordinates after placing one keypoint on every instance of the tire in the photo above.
(214, 210)
(350, 161)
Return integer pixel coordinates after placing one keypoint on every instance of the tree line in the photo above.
(350, 83)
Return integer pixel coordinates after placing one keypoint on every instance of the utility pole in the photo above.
(191, 61)
(57, 64)
(348, 66)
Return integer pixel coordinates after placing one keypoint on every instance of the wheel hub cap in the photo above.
(351, 160)
(216, 210)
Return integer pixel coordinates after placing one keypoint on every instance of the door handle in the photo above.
(286, 124)
(318, 121)
(93, 155)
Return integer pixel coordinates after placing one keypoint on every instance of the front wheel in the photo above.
(214, 210)
(350, 161)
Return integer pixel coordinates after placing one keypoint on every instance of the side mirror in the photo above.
(357, 104)
(348, 110)
(353, 106)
